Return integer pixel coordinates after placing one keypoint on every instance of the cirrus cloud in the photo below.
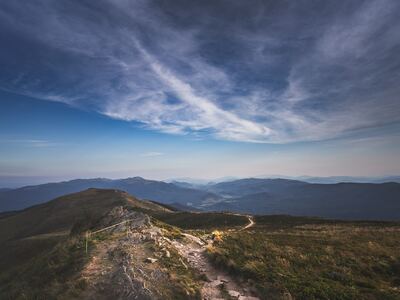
(263, 72)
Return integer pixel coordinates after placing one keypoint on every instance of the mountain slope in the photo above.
(62, 213)
(306, 258)
(21, 198)
(39, 250)
(34, 231)
(248, 186)
(129, 254)
(339, 201)
(350, 179)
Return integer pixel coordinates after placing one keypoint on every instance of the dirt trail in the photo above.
(117, 267)
(194, 250)
(97, 269)
(251, 223)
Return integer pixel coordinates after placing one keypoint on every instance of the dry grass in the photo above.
(316, 261)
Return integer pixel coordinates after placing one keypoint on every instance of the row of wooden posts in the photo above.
(89, 233)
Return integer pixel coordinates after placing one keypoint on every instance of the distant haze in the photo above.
(20, 181)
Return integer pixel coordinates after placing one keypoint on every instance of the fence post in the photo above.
(86, 243)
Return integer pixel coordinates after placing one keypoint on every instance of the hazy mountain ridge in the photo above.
(350, 179)
(21, 198)
(305, 178)
(250, 195)
(247, 186)
(341, 200)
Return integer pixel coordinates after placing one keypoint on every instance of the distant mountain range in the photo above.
(369, 201)
(280, 196)
(309, 179)
(20, 198)
(248, 186)
(353, 179)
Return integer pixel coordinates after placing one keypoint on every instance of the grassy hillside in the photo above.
(209, 221)
(35, 230)
(65, 271)
(306, 258)
(315, 259)
(40, 259)
(62, 213)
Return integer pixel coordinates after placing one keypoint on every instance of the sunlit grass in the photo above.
(316, 261)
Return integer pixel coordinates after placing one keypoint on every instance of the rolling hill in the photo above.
(152, 251)
(60, 214)
(46, 253)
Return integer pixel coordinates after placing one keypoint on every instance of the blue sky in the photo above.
(205, 89)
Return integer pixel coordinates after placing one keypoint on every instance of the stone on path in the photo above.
(248, 298)
(216, 283)
(223, 279)
(234, 294)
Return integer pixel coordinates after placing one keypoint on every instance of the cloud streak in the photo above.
(279, 73)
(151, 154)
(30, 143)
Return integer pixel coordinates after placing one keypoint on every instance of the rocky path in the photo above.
(219, 285)
(119, 267)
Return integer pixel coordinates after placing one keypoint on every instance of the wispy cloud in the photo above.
(32, 143)
(272, 76)
(204, 114)
(151, 154)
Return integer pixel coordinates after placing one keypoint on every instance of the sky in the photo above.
(204, 89)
